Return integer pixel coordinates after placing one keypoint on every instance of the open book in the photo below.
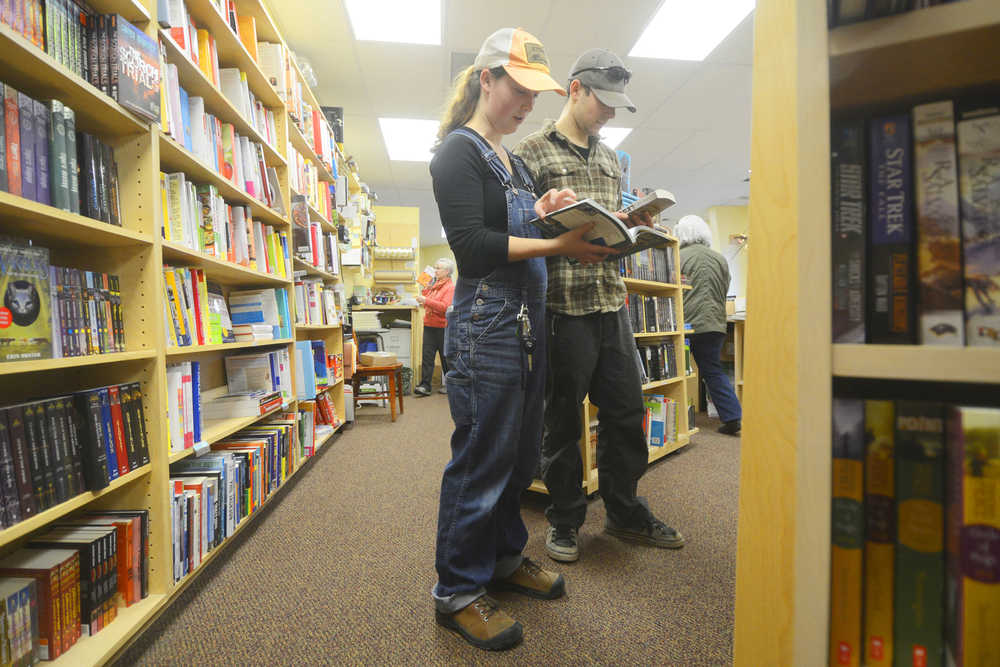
(608, 229)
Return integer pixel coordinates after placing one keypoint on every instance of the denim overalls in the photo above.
(496, 395)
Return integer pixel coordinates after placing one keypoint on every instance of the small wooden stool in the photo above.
(393, 372)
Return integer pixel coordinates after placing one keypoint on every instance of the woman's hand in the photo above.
(553, 200)
(421, 299)
(572, 244)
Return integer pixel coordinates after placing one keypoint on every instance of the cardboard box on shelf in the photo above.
(377, 358)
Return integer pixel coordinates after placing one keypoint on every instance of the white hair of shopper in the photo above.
(446, 264)
(692, 229)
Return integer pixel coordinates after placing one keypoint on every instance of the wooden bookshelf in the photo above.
(34, 72)
(193, 80)
(317, 327)
(657, 334)
(137, 253)
(19, 530)
(174, 157)
(636, 286)
(315, 215)
(220, 429)
(302, 265)
(304, 147)
(804, 73)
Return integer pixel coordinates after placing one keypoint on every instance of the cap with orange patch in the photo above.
(522, 56)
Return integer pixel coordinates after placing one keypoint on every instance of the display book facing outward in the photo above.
(888, 74)
(85, 464)
(655, 303)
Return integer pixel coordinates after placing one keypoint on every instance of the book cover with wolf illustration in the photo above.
(25, 324)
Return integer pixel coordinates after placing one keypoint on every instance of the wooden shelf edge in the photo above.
(72, 226)
(925, 363)
(649, 285)
(222, 347)
(302, 145)
(208, 262)
(658, 334)
(317, 327)
(656, 384)
(100, 648)
(18, 530)
(303, 265)
(35, 365)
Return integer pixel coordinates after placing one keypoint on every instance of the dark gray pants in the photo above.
(433, 346)
(593, 354)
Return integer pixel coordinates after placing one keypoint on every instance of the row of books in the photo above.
(216, 144)
(311, 355)
(269, 371)
(103, 49)
(650, 314)
(56, 448)
(844, 12)
(311, 243)
(197, 217)
(318, 419)
(69, 581)
(55, 311)
(655, 264)
(659, 361)
(303, 178)
(258, 309)
(214, 493)
(43, 158)
(661, 420)
(200, 47)
(315, 302)
(916, 238)
(914, 533)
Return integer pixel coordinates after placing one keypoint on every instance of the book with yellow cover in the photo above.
(880, 530)
(847, 538)
(973, 540)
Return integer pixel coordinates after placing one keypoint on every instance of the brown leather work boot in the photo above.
(483, 624)
(530, 579)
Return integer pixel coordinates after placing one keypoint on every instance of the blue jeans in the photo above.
(706, 349)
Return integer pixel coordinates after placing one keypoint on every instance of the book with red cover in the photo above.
(46, 567)
(118, 428)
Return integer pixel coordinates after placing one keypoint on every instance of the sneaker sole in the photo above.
(557, 591)
(629, 536)
(562, 556)
(509, 638)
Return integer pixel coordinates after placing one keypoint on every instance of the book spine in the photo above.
(919, 567)
(48, 420)
(107, 425)
(22, 462)
(58, 164)
(90, 429)
(939, 248)
(979, 164)
(102, 54)
(29, 172)
(118, 427)
(880, 531)
(69, 118)
(847, 533)
(891, 290)
(12, 132)
(973, 535)
(142, 442)
(113, 38)
(10, 505)
(128, 417)
(3, 133)
(93, 54)
(43, 129)
(42, 478)
(73, 443)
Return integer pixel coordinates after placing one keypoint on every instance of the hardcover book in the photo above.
(973, 541)
(880, 530)
(939, 249)
(137, 69)
(919, 568)
(848, 194)
(25, 324)
(979, 178)
(848, 531)
(890, 292)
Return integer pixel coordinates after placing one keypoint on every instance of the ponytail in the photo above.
(465, 93)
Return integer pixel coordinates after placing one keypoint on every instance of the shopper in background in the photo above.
(494, 341)
(705, 311)
(591, 345)
(435, 299)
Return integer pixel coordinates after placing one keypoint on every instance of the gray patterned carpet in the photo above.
(340, 570)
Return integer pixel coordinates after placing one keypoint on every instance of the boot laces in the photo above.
(485, 606)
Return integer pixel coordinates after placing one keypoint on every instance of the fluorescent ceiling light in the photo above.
(690, 29)
(407, 21)
(613, 136)
(409, 139)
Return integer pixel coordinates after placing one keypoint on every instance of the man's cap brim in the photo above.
(533, 79)
(614, 99)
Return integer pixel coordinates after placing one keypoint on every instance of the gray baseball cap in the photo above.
(604, 73)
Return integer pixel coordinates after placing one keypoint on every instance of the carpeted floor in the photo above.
(340, 570)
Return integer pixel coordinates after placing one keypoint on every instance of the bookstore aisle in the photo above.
(340, 573)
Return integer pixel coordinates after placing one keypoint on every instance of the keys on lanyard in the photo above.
(525, 334)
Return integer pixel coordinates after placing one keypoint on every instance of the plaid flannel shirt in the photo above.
(554, 162)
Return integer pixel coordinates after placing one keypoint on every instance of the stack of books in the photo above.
(252, 403)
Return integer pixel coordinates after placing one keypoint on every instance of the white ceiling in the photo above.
(692, 128)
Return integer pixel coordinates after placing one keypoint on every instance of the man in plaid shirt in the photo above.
(591, 345)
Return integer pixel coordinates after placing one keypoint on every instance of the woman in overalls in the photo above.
(494, 341)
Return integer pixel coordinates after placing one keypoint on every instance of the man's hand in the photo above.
(553, 200)
(572, 244)
(645, 219)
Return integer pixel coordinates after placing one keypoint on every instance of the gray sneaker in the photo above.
(421, 390)
(442, 389)
(655, 534)
(561, 544)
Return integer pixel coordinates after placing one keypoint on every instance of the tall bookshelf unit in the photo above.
(803, 72)
(137, 253)
(675, 388)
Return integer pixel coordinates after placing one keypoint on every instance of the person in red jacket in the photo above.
(435, 299)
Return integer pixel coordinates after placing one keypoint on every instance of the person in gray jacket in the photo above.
(705, 310)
